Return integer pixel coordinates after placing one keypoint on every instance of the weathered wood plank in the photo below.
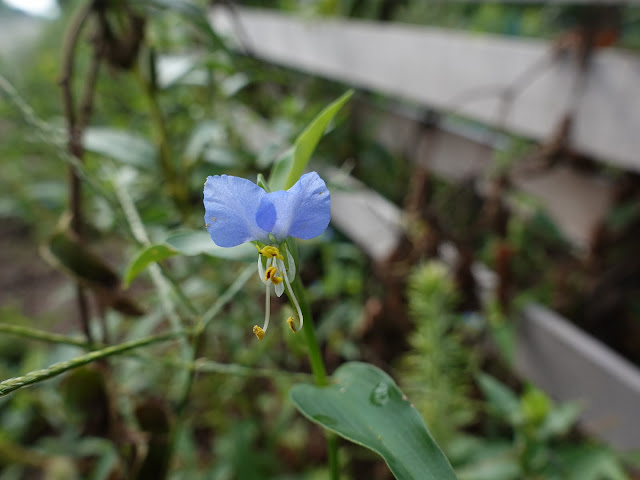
(576, 201)
(366, 217)
(565, 361)
(453, 71)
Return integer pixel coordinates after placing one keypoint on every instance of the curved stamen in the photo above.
(293, 299)
(259, 332)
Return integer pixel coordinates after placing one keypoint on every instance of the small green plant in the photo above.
(541, 445)
(439, 367)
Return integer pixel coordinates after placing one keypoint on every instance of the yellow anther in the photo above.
(270, 274)
(258, 332)
(292, 324)
(270, 251)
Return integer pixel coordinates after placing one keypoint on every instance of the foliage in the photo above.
(160, 376)
(526, 435)
(540, 430)
(365, 406)
(437, 371)
(135, 187)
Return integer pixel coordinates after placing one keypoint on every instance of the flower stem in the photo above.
(317, 367)
(172, 175)
(315, 356)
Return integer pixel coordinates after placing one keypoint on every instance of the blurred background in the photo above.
(483, 248)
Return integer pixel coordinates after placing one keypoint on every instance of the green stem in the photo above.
(202, 323)
(184, 299)
(317, 367)
(157, 117)
(41, 335)
(37, 376)
(332, 445)
(211, 366)
(173, 177)
(315, 356)
(231, 292)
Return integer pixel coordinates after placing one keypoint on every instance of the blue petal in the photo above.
(231, 204)
(303, 211)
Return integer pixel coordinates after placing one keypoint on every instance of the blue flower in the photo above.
(238, 211)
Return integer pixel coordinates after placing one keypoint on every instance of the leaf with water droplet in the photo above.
(380, 394)
(364, 405)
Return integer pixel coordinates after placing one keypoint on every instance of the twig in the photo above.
(74, 134)
(33, 334)
(83, 308)
(75, 127)
(56, 369)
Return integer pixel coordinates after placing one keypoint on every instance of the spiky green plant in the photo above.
(438, 368)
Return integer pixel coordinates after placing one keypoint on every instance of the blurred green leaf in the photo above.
(179, 68)
(194, 242)
(190, 11)
(591, 462)
(155, 421)
(560, 420)
(222, 157)
(479, 458)
(203, 135)
(233, 84)
(497, 467)
(503, 402)
(535, 406)
(289, 167)
(66, 252)
(365, 406)
(144, 258)
(120, 145)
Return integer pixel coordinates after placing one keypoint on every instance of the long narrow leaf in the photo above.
(289, 167)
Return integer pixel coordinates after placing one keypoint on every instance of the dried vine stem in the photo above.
(74, 144)
(75, 127)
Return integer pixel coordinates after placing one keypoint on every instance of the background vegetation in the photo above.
(168, 108)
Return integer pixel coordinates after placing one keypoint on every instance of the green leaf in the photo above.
(289, 167)
(503, 402)
(484, 459)
(194, 242)
(204, 135)
(499, 467)
(144, 258)
(121, 146)
(188, 242)
(365, 406)
(560, 420)
(590, 462)
(174, 69)
(67, 253)
(281, 168)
